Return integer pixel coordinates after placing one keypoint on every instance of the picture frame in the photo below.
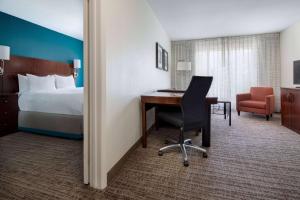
(159, 56)
(165, 60)
(162, 58)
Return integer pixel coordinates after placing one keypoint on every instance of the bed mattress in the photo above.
(60, 101)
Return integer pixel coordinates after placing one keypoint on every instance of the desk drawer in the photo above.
(8, 106)
(8, 114)
(8, 102)
(4, 100)
(7, 126)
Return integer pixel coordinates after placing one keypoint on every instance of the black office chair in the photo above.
(193, 115)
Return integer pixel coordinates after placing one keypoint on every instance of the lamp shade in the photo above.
(77, 63)
(4, 52)
(184, 66)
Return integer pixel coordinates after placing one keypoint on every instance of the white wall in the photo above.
(290, 51)
(131, 30)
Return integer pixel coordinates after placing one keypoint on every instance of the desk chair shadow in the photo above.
(193, 116)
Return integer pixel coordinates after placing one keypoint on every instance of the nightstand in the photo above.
(8, 113)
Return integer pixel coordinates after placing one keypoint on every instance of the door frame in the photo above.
(86, 174)
(95, 95)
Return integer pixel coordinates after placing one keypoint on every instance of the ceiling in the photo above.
(195, 19)
(63, 16)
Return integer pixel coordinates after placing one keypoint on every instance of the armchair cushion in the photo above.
(253, 104)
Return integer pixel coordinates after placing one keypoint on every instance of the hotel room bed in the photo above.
(55, 113)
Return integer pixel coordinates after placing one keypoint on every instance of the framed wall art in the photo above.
(165, 60)
(162, 58)
(159, 56)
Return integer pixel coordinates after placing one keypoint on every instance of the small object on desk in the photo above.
(8, 113)
(171, 90)
(153, 99)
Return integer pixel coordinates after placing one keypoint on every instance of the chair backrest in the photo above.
(193, 105)
(259, 93)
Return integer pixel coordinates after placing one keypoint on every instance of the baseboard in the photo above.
(116, 168)
(74, 136)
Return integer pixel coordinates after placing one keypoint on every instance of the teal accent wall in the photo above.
(31, 40)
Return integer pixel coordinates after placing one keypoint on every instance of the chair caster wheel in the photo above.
(160, 153)
(189, 142)
(205, 155)
(186, 163)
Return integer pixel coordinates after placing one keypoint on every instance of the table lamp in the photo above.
(4, 55)
(77, 66)
(184, 66)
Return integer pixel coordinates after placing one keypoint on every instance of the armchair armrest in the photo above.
(242, 97)
(270, 104)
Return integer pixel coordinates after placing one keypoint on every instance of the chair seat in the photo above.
(253, 104)
(174, 118)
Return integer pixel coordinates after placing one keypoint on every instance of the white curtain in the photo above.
(236, 63)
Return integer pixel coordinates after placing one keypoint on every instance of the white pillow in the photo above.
(41, 83)
(23, 83)
(64, 82)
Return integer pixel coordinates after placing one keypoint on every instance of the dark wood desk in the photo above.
(173, 99)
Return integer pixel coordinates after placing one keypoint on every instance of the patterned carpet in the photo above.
(253, 159)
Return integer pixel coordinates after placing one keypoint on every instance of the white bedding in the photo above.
(61, 101)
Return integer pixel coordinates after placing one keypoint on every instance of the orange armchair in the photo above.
(260, 100)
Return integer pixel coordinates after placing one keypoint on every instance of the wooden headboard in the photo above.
(25, 65)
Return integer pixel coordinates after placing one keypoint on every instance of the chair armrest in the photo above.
(242, 97)
(270, 101)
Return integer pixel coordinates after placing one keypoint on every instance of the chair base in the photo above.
(183, 147)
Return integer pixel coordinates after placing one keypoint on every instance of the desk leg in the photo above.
(197, 132)
(156, 122)
(206, 131)
(224, 110)
(144, 126)
(230, 114)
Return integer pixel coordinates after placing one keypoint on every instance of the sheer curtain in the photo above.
(236, 63)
